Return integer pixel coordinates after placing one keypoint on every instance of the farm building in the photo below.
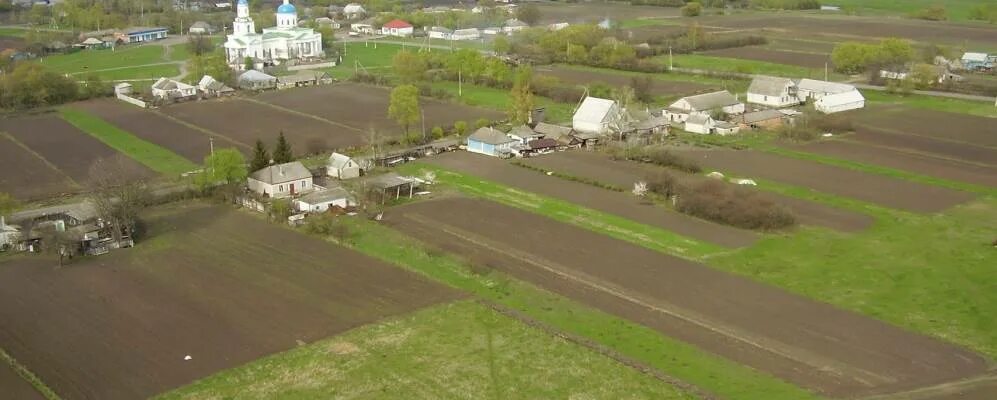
(561, 134)
(540, 146)
(323, 199)
(978, 61)
(354, 11)
(652, 126)
(281, 180)
(840, 102)
(169, 89)
(80, 223)
(704, 104)
(327, 22)
(811, 89)
(397, 27)
(466, 34)
(489, 141)
(523, 134)
(144, 34)
(256, 80)
(201, 28)
(772, 91)
(699, 123)
(390, 186)
(440, 32)
(342, 166)
(492, 30)
(303, 78)
(514, 25)
(94, 43)
(365, 27)
(761, 119)
(724, 128)
(594, 115)
(212, 87)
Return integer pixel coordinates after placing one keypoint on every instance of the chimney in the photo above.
(281, 169)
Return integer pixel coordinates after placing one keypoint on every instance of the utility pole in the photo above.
(211, 144)
(460, 82)
(423, 124)
(670, 65)
(825, 70)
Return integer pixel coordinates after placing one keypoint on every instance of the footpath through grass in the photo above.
(458, 350)
(151, 155)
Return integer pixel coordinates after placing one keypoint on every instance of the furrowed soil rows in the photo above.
(246, 121)
(71, 150)
(623, 174)
(581, 77)
(775, 56)
(833, 352)
(916, 163)
(591, 12)
(188, 142)
(974, 130)
(15, 387)
(878, 189)
(210, 282)
(926, 145)
(27, 177)
(620, 204)
(364, 107)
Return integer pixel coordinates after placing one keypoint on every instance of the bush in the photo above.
(733, 205)
(666, 158)
(438, 132)
(664, 184)
(460, 127)
(933, 13)
(692, 9)
(482, 122)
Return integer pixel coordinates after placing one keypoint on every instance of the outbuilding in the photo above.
(440, 32)
(390, 186)
(594, 115)
(699, 123)
(840, 102)
(761, 119)
(523, 134)
(354, 10)
(169, 89)
(397, 27)
(514, 25)
(145, 34)
(201, 28)
(704, 104)
(212, 87)
(256, 80)
(324, 199)
(489, 141)
(341, 166)
(977, 61)
(811, 89)
(772, 91)
(281, 180)
(466, 34)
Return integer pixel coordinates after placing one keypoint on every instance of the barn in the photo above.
(840, 102)
(594, 116)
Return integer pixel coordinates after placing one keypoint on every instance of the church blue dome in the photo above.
(243, 2)
(286, 8)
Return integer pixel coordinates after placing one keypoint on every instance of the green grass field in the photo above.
(459, 350)
(13, 32)
(499, 99)
(151, 72)
(981, 108)
(958, 10)
(92, 60)
(374, 56)
(156, 158)
(725, 64)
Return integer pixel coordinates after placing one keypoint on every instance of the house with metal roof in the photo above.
(490, 141)
(323, 199)
(514, 25)
(397, 27)
(978, 61)
(839, 102)
(524, 134)
(772, 92)
(704, 104)
(595, 115)
(440, 32)
(256, 80)
(699, 123)
(212, 87)
(144, 34)
(342, 166)
(169, 89)
(281, 180)
(466, 34)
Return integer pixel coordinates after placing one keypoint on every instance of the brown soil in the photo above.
(591, 12)
(830, 351)
(71, 150)
(363, 107)
(597, 166)
(616, 203)
(878, 189)
(7, 42)
(245, 121)
(217, 284)
(658, 88)
(188, 142)
(926, 145)
(979, 131)
(15, 387)
(917, 163)
(27, 176)
(774, 56)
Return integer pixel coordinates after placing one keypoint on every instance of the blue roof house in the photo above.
(488, 141)
(144, 34)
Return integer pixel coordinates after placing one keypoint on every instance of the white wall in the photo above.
(772, 101)
(830, 109)
(282, 189)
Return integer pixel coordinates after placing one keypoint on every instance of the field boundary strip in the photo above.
(47, 163)
(157, 158)
(784, 350)
(198, 128)
(306, 115)
(28, 376)
(598, 349)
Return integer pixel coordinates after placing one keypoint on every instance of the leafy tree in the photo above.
(226, 166)
(282, 151)
(199, 45)
(893, 51)
(248, 63)
(481, 123)
(851, 57)
(528, 13)
(280, 209)
(501, 45)
(643, 87)
(930, 51)
(923, 76)
(522, 97)
(211, 64)
(409, 66)
(460, 127)
(984, 12)
(93, 86)
(261, 158)
(692, 9)
(404, 106)
(31, 85)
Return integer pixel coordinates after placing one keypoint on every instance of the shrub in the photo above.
(666, 158)
(460, 127)
(933, 13)
(663, 183)
(692, 9)
(438, 132)
(481, 123)
(733, 205)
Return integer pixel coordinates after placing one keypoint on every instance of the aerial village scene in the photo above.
(498, 199)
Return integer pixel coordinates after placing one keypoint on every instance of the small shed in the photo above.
(201, 28)
(303, 78)
(93, 43)
(699, 123)
(544, 145)
(390, 186)
(256, 80)
(334, 196)
(212, 87)
(489, 141)
(761, 119)
(523, 134)
(440, 32)
(652, 126)
(840, 102)
(341, 166)
(724, 128)
(466, 34)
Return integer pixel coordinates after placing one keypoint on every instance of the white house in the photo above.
(365, 27)
(514, 25)
(557, 26)
(439, 32)
(492, 30)
(466, 34)
(201, 28)
(704, 104)
(772, 91)
(594, 116)
(699, 123)
(354, 10)
(397, 27)
(166, 89)
(524, 135)
(811, 89)
(321, 200)
(840, 102)
(212, 87)
(489, 141)
(281, 180)
(342, 166)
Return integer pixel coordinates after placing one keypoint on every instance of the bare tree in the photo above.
(60, 242)
(117, 197)
(640, 189)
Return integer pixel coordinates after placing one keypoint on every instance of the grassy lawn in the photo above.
(734, 85)
(459, 350)
(371, 55)
(13, 32)
(92, 60)
(981, 108)
(958, 10)
(156, 158)
(685, 362)
(725, 64)
(151, 72)
(457, 44)
(642, 22)
(499, 99)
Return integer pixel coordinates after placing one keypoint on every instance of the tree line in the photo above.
(30, 85)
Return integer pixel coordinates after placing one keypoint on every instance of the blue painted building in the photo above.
(488, 141)
(144, 34)
(978, 61)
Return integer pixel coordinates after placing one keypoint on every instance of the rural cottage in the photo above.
(342, 166)
(281, 180)
(704, 104)
(772, 91)
(489, 141)
(595, 115)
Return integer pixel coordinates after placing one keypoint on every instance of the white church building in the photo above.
(275, 45)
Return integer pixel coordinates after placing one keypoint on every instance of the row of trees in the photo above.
(857, 57)
(30, 85)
